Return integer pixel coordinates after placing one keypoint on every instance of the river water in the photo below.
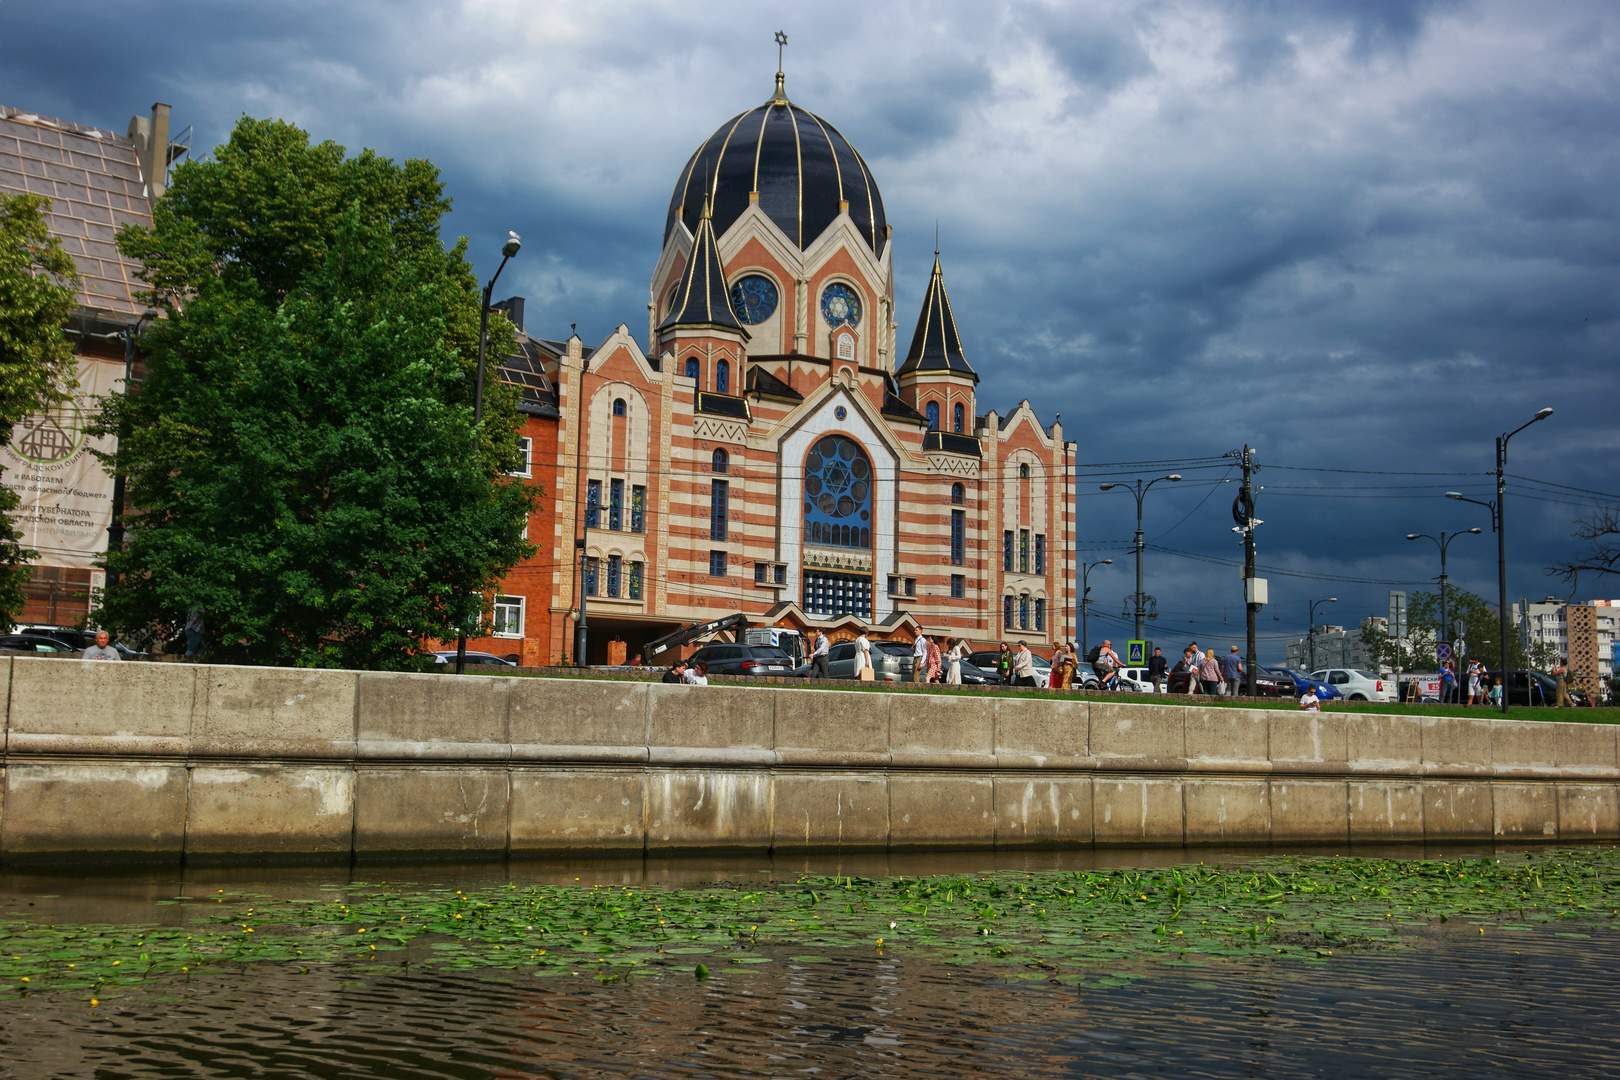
(1447, 1002)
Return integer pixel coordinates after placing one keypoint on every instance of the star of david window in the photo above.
(840, 306)
(838, 494)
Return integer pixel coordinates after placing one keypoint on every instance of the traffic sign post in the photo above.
(1136, 653)
(1442, 652)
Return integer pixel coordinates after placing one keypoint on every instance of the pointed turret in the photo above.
(935, 346)
(702, 301)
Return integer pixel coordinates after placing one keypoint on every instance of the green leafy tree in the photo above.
(1482, 633)
(38, 292)
(300, 455)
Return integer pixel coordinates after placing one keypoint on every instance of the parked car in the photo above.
(1537, 688)
(474, 659)
(38, 643)
(1357, 685)
(891, 661)
(74, 638)
(732, 659)
(1301, 682)
(974, 675)
(1266, 684)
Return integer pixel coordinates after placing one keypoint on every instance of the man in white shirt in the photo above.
(863, 655)
(100, 650)
(919, 659)
(1309, 701)
(818, 657)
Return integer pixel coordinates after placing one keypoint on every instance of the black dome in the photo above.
(800, 165)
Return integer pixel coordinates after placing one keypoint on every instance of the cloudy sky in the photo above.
(1363, 236)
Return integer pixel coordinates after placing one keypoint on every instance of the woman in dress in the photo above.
(1062, 667)
(955, 655)
(935, 661)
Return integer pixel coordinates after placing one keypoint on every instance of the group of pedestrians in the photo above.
(1208, 674)
(933, 663)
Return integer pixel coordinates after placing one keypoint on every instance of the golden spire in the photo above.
(780, 97)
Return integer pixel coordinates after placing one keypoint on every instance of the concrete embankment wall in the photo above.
(162, 761)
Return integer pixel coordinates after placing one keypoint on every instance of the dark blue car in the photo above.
(1302, 681)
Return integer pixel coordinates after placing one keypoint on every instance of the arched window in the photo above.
(838, 494)
(722, 377)
(1023, 471)
(958, 419)
(722, 461)
(931, 410)
(958, 494)
(618, 406)
(693, 371)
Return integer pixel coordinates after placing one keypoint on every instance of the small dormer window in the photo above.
(846, 347)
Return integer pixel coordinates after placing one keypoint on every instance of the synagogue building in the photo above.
(770, 446)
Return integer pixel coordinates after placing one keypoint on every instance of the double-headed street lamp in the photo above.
(1443, 541)
(513, 243)
(1501, 539)
(1085, 604)
(1310, 629)
(1139, 489)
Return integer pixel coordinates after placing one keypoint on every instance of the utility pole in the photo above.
(1246, 504)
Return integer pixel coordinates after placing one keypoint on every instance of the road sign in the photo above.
(1397, 613)
(1135, 653)
(1442, 652)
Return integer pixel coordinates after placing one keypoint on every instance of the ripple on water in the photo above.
(1516, 1004)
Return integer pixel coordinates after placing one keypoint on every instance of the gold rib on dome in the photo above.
(701, 299)
(936, 346)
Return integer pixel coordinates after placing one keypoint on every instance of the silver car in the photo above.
(891, 662)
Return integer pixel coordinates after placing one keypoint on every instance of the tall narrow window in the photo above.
(1040, 614)
(590, 576)
(593, 504)
(958, 536)
(1007, 551)
(525, 453)
(721, 462)
(760, 570)
(958, 418)
(638, 509)
(1040, 553)
(719, 496)
(1023, 612)
(931, 411)
(1006, 613)
(635, 581)
(615, 504)
(694, 370)
(1023, 551)
(722, 377)
(613, 575)
(958, 495)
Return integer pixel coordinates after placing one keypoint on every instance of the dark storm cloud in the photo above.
(1357, 234)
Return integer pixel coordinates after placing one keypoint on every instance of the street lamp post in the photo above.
(508, 249)
(1443, 541)
(1139, 489)
(115, 531)
(1085, 604)
(1501, 541)
(579, 497)
(1310, 630)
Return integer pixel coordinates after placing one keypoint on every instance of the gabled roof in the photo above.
(935, 346)
(760, 381)
(702, 300)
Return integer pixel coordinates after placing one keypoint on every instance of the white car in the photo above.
(1140, 676)
(1357, 685)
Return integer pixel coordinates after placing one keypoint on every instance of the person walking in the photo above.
(1232, 672)
(1004, 665)
(1062, 668)
(1158, 668)
(1023, 666)
(936, 662)
(196, 624)
(101, 650)
(955, 654)
(1209, 673)
(1495, 696)
(818, 656)
(863, 657)
(1189, 665)
(919, 658)
(1561, 673)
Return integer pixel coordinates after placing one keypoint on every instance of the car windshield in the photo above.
(774, 655)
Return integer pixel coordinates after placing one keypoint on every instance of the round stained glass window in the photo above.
(753, 298)
(837, 493)
(840, 306)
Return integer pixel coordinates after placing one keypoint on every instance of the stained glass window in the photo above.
(693, 369)
(720, 462)
(1040, 553)
(638, 508)
(958, 536)
(613, 575)
(635, 581)
(958, 494)
(1023, 551)
(615, 504)
(1006, 551)
(1006, 613)
(1023, 612)
(753, 298)
(838, 494)
(931, 411)
(1040, 614)
(957, 419)
(722, 377)
(840, 306)
(593, 503)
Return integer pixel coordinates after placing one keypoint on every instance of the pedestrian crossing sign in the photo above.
(1135, 653)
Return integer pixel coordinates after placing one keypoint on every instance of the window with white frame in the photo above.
(525, 453)
(508, 616)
